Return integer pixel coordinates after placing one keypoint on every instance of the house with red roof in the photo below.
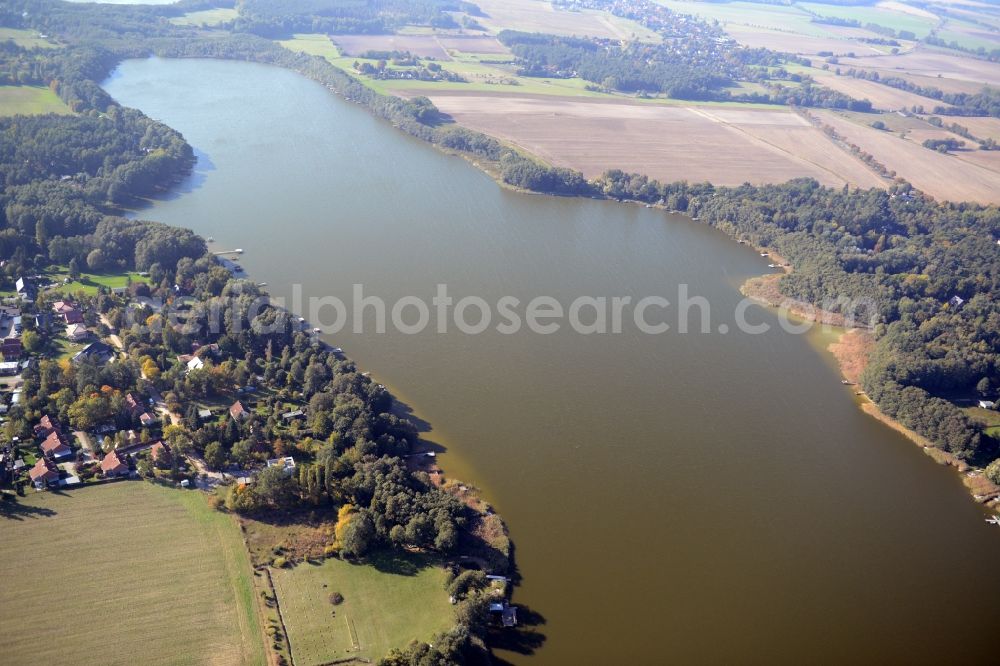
(114, 465)
(238, 411)
(69, 312)
(47, 425)
(44, 473)
(54, 447)
(160, 453)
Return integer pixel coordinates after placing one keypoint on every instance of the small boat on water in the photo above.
(316, 330)
(210, 239)
(995, 520)
(337, 350)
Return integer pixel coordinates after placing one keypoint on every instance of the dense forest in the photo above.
(698, 66)
(282, 17)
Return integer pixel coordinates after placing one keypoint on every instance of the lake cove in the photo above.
(673, 498)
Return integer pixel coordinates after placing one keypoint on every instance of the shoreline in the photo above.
(763, 288)
(851, 352)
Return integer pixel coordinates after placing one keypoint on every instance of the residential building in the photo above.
(115, 465)
(238, 411)
(44, 473)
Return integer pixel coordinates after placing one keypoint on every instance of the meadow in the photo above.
(897, 19)
(90, 282)
(28, 39)
(387, 602)
(102, 574)
(207, 17)
(30, 100)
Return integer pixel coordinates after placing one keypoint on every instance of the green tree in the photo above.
(215, 456)
(242, 451)
(74, 269)
(993, 471)
(358, 535)
(95, 260)
(983, 386)
(276, 488)
(32, 341)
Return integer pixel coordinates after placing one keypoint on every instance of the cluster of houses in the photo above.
(72, 317)
(137, 409)
(54, 447)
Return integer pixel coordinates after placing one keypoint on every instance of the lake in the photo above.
(696, 498)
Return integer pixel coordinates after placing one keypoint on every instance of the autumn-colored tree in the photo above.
(149, 368)
(344, 515)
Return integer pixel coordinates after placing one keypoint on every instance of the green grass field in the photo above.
(969, 36)
(28, 39)
(386, 604)
(206, 17)
(30, 100)
(125, 572)
(897, 20)
(313, 44)
(776, 17)
(89, 283)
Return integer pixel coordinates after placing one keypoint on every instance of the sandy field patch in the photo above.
(540, 16)
(726, 146)
(425, 46)
(932, 63)
(944, 177)
(906, 9)
(794, 43)
(939, 82)
(986, 159)
(983, 128)
(471, 44)
(919, 135)
(883, 97)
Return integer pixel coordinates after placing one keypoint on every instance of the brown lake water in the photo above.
(699, 498)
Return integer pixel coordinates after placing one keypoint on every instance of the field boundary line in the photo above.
(281, 618)
(355, 643)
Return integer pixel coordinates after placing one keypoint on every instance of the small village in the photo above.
(128, 445)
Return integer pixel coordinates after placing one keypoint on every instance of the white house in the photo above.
(987, 404)
(287, 464)
(195, 364)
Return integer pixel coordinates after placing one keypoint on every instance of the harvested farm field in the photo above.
(724, 145)
(125, 572)
(425, 46)
(965, 176)
(788, 42)
(984, 128)
(941, 83)
(930, 63)
(881, 96)
(541, 16)
(472, 44)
